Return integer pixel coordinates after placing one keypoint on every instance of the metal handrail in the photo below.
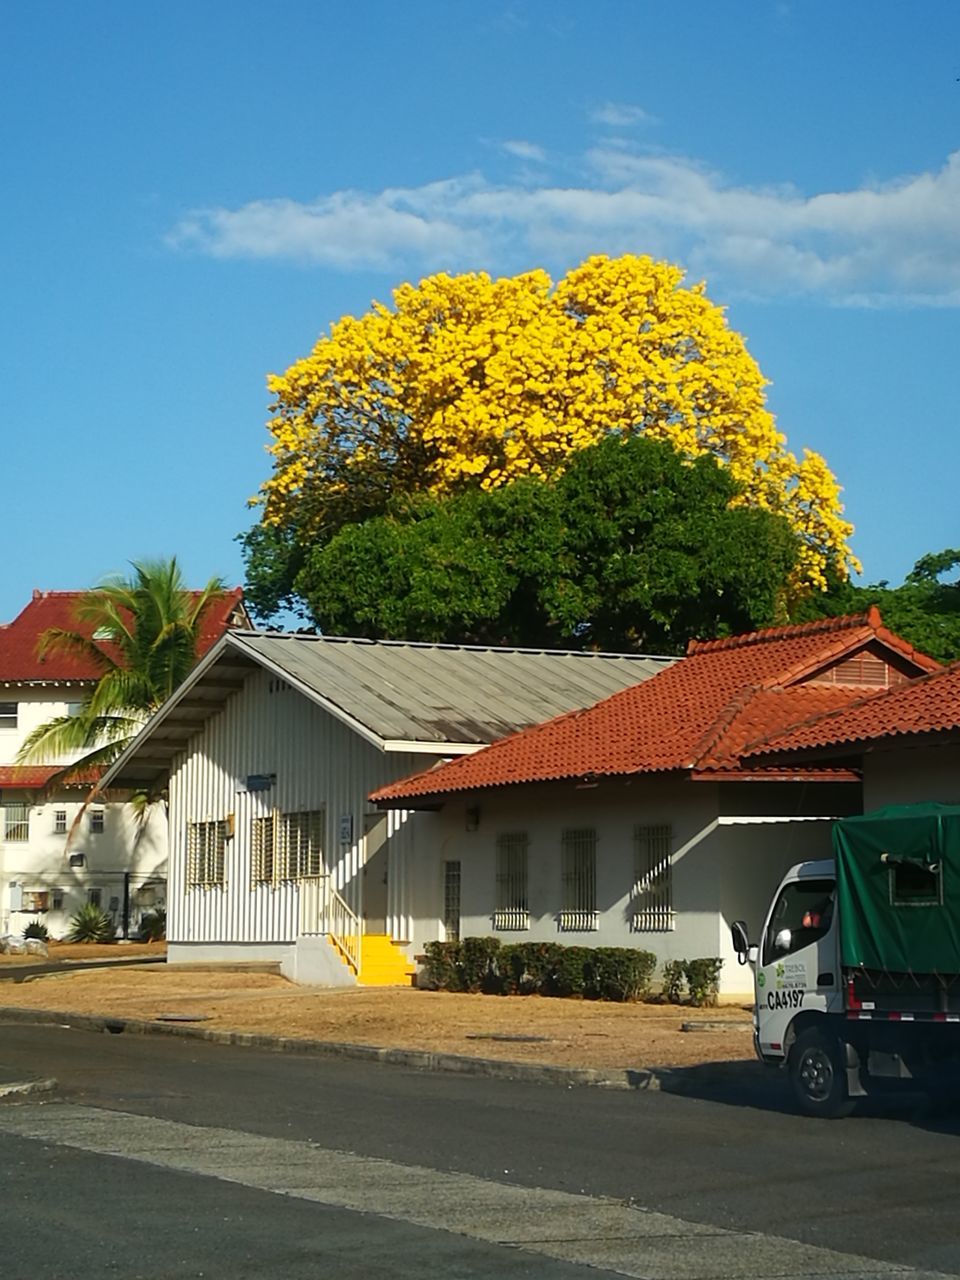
(324, 911)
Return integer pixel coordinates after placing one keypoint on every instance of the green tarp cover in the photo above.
(898, 887)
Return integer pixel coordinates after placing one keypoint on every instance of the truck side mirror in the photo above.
(741, 940)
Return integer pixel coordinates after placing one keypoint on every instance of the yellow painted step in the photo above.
(382, 962)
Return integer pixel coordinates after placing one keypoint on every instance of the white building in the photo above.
(639, 823)
(110, 861)
(623, 815)
(272, 747)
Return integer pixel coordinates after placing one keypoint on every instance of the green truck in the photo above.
(857, 971)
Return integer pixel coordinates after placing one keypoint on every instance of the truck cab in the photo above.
(857, 971)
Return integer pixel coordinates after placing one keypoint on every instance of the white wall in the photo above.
(269, 728)
(908, 775)
(42, 863)
(720, 872)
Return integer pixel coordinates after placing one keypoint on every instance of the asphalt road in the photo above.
(232, 1163)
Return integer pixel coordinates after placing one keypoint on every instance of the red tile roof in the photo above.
(19, 638)
(696, 715)
(33, 777)
(929, 704)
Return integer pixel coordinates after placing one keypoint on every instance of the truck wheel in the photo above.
(818, 1075)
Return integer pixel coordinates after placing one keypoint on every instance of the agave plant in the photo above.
(91, 924)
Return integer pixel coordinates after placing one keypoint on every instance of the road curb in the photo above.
(647, 1078)
(23, 1088)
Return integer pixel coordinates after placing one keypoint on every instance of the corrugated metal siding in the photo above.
(319, 763)
(447, 693)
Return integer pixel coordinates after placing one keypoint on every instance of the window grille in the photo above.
(8, 715)
(578, 911)
(95, 897)
(288, 846)
(512, 911)
(16, 822)
(451, 901)
(205, 853)
(263, 861)
(59, 822)
(652, 880)
(96, 822)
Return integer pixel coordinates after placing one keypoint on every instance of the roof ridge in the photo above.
(458, 648)
(757, 745)
(793, 631)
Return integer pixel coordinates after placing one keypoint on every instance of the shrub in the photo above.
(569, 971)
(153, 925)
(620, 973)
(476, 962)
(91, 924)
(674, 973)
(36, 929)
(537, 964)
(703, 980)
(442, 965)
(509, 962)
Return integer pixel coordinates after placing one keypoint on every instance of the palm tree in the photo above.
(142, 633)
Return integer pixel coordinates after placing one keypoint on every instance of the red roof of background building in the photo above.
(929, 704)
(19, 638)
(33, 777)
(696, 715)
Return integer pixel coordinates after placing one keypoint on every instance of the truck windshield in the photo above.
(803, 913)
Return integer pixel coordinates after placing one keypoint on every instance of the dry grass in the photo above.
(568, 1032)
(90, 951)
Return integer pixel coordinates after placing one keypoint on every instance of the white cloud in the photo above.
(621, 115)
(525, 150)
(880, 244)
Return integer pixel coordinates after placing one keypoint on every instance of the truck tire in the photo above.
(818, 1075)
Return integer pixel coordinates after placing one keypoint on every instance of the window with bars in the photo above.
(59, 822)
(261, 843)
(206, 842)
(96, 822)
(287, 846)
(652, 879)
(451, 901)
(8, 715)
(578, 911)
(512, 911)
(16, 822)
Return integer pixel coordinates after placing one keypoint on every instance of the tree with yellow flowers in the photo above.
(471, 383)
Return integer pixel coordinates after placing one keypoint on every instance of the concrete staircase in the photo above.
(383, 963)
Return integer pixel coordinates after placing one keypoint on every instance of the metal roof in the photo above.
(401, 696)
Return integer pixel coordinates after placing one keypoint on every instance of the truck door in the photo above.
(797, 965)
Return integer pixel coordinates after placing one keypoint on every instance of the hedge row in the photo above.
(550, 969)
(540, 968)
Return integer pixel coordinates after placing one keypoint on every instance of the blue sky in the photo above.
(195, 191)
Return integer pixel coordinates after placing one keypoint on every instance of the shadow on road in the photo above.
(751, 1084)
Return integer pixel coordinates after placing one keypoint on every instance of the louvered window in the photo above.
(16, 822)
(206, 842)
(652, 883)
(512, 911)
(288, 846)
(578, 912)
(263, 855)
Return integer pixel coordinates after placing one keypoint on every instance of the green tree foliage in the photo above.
(924, 610)
(141, 633)
(632, 547)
